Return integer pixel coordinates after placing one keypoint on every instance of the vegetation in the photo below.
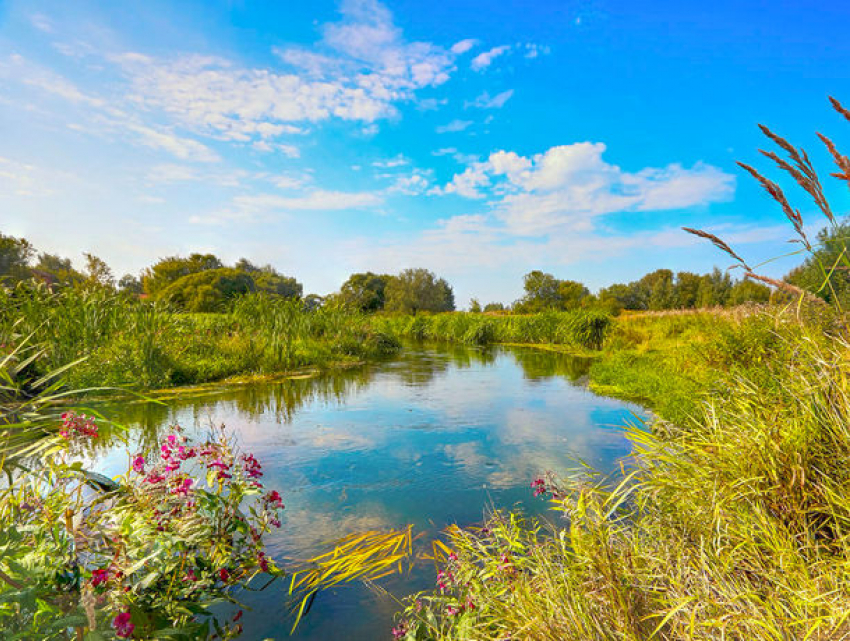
(729, 523)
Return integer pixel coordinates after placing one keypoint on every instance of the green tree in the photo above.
(53, 268)
(686, 290)
(474, 306)
(494, 307)
(571, 294)
(169, 270)
(98, 273)
(418, 290)
(747, 291)
(824, 272)
(209, 290)
(269, 280)
(130, 284)
(364, 291)
(15, 255)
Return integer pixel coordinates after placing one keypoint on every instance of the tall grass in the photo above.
(120, 341)
(582, 329)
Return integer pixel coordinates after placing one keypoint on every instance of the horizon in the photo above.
(480, 142)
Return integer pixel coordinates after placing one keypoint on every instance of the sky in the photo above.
(479, 140)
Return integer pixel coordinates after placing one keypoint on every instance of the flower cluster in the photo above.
(77, 425)
(123, 627)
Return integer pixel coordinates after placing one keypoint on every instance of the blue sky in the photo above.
(478, 139)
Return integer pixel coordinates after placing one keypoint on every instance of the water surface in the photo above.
(431, 438)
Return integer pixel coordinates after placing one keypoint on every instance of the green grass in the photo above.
(137, 344)
(733, 522)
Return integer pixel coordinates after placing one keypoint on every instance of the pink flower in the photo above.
(263, 561)
(400, 630)
(273, 500)
(154, 477)
(190, 575)
(539, 486)
(122, 625)
(99, 576)
(224, 575)
(237, 616)
(452, 611)
(183, 488)
(139, 465)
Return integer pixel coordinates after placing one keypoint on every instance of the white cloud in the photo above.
(184, 148)
(568, 186)
(454, 125)
(42, 22)
(463, 46)
(396, 161)
(486, 101)
(485, 59)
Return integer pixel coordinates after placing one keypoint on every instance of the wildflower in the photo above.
(122, 625)
(224, 575)
(99, 576)
(251, 466)
(237, 616)
(400, 630)
(262, 561)
(452, 611)
(183, 487)
(139, 465)
(539, 486)
(154, 477)
(190, 575)
(273, 500)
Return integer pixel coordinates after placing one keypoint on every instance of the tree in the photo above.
(571, 294)
(686, 290)
(168, 270)
(55, 269)
(269, 280)
(817, 275)
(418, 290)
(130, 284)
(15, 255)
(714, 289)
(747, 291)
(312, 302)
(474, 306)
(98, 273)
(494, 307)
(209, 290)
(541, 291)
(364, 291)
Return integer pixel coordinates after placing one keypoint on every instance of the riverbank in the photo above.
(731, 520)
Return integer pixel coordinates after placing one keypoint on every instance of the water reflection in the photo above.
(430, 438)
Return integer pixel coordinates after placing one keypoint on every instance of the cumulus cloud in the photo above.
(486, 58)
(568, 186)
(463, 46)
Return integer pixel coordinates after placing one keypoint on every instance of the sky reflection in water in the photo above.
(430, 438)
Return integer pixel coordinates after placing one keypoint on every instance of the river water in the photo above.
(436, 436)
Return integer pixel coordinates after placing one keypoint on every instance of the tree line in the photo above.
(203, 283)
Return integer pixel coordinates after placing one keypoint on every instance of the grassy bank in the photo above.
(120, 341)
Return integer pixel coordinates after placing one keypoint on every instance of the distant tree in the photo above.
(714, 289)
(169, 270)
(54, 268)
(571, 294)
(15, 255)
(209, 290)
(494, 307)
(474, 306)
(541, 291)
(312, 302)
(364, 291)
(130, 284)
(747, 291)
(418, 290)
(817, 275)
(269, 280)
(98, 272)
(686, 290)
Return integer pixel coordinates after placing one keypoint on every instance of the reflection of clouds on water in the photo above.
(308, 531)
